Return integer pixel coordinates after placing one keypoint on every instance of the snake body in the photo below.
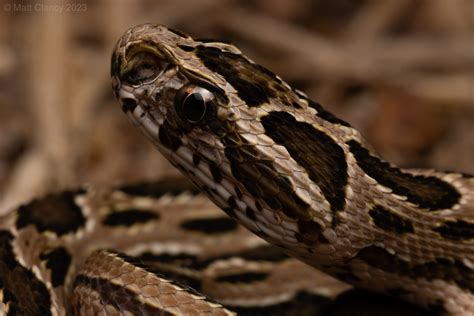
(276, 162)
(70, 253)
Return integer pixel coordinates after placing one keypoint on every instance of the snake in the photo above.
(306, 199)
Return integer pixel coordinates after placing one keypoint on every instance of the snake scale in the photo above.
(276, 162)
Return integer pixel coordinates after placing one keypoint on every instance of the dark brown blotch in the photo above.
(244, 277)
(238, 193)
(196, 160)
(361, 302)
(296, 105)
(262, 181)
(128, 104)
(57, 261)
(310, 233)
(323, 159)
(263, 253)
(22, 291)
(250, 213)
(254, 84)
(168, 137)
(129, 217)
(215, 172)
(230, 209)
(427, 192)
(456, 230)
(210, 226)
(448, 270)
(177, 259)
(160, 188)
(56, 212)
(390, 221)
(186, 48)
(232, 202)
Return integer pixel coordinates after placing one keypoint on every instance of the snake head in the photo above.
(167, 91)
(212, 113)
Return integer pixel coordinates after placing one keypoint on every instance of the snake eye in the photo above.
(192, 103)
(144, 67)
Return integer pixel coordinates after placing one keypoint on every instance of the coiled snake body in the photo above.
(273, 160)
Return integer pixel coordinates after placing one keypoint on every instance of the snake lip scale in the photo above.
(302, 180)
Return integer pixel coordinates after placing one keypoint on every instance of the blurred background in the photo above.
(401, 71)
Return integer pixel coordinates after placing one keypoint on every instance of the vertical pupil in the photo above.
(194, 107)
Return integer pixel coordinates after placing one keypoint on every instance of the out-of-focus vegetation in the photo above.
(402, 71)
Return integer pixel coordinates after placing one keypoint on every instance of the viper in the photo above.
(277, 163)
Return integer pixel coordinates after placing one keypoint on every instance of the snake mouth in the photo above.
(146, 117)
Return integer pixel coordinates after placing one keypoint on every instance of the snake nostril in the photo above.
(128, 104)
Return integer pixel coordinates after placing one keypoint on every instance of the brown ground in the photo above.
(402, 71)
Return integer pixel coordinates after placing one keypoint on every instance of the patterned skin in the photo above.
(56, 265)
(294, 174)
